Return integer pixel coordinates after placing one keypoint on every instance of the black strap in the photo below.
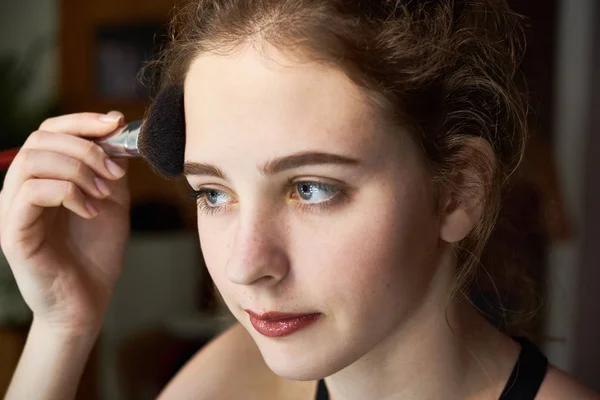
(322, 393)
(524, 382)
(528, 373)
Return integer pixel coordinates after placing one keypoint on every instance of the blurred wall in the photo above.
(574, 277)
(587, 350)
(27, 23)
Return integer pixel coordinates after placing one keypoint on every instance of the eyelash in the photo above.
(338, 197)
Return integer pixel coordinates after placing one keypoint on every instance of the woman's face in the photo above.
(307, 206)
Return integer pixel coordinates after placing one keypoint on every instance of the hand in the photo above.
(64, 221)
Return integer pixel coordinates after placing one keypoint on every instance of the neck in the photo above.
(446, 350)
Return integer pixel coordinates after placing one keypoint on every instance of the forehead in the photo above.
(263, 95)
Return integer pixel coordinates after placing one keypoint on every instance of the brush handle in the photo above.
(123, 143)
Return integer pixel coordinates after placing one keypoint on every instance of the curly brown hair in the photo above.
(446, 69)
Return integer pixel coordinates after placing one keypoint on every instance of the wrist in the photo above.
(65, 333)
(54, 358)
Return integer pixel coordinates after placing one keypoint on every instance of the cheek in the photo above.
(374, 256)
(215, 243)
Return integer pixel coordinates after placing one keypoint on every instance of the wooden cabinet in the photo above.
(80, 23)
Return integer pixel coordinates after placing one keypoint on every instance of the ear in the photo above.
(466, 191)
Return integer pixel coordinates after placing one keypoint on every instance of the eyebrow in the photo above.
(274, 166)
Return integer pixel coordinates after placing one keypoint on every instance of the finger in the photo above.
(83, 154)
(120, 188)
(35, 196)
(54, 193)
(49, 165)
(90, 125)
(78, 148)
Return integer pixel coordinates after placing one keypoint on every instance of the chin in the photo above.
(300, 360)
(308, 369)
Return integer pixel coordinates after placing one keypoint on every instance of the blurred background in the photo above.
(64, 56)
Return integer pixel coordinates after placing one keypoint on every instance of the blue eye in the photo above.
(215, 197)
(210, 198)
(315, 192)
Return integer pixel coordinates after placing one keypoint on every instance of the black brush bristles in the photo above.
(162, 140)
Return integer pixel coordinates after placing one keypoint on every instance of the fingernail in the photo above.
(111, 117)
(91, 209)
(102, 186)
(114, 168)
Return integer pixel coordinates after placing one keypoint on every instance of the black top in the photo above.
(524, 382)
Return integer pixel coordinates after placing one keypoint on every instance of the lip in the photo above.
(278, 324)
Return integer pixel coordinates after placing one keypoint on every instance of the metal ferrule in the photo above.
(123, 143)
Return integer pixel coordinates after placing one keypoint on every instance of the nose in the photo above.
(258, 254)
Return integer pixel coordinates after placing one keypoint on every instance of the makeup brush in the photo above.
(159, 138)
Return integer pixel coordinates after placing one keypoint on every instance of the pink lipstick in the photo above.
(275, 324)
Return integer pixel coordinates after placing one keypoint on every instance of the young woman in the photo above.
(347, 158)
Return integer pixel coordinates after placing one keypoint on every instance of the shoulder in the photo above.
(231, 367)
(558, 385)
